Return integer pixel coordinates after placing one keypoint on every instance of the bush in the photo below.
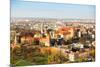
(23, 63)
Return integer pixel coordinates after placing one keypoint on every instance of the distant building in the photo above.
(67, 32)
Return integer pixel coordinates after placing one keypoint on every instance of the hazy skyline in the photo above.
(21, 8)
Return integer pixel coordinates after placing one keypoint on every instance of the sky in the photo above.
(21, 8)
